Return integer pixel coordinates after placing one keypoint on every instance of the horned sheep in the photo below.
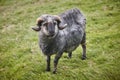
(61, 33)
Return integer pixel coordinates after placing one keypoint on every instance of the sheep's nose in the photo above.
(52, 32)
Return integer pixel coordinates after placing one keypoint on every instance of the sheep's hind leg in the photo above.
(83, 44)
(48, 63)
(84, 51)
(70, 55)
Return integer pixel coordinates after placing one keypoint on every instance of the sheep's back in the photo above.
(73, 17)
(75, 28)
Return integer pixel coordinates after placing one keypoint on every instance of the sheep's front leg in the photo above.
(57, 57)
(48, 63)
(70, 55)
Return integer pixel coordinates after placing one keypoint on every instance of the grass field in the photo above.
(21, 59)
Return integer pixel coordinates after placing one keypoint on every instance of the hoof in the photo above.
(48, 69)
(83, 58)
(54, 72)
(69, 57)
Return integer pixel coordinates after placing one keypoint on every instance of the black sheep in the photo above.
(61, 33)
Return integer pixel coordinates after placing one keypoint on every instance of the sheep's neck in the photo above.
(46, 40)
(48, 45)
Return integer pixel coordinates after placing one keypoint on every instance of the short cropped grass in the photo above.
(21, 59)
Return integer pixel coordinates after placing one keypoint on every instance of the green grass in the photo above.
(21, 59)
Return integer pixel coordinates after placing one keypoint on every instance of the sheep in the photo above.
(61, 33)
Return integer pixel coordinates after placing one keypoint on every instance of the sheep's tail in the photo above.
(73, 16)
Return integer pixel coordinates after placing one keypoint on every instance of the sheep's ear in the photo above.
(36, 28)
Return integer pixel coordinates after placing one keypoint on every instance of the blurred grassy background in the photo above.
(21, 59)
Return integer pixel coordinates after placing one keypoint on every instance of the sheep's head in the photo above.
(49, 25)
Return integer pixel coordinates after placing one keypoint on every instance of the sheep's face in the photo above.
(49, 25)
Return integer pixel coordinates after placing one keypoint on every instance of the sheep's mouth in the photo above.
(51, 35)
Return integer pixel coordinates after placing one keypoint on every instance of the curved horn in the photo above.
(38, 22)
(60, 25)
(57, 18)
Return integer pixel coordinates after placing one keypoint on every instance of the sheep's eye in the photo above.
(54, 22)
(45, 24)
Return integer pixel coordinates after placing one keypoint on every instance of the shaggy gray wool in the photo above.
(67, 39)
